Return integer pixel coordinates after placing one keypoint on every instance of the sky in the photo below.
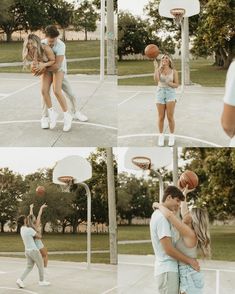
(134, 6)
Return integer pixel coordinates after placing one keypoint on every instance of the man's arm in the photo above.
(58, 61)
(228, 120)
(176, 254)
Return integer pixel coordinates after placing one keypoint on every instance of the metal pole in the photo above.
(110, 38)
(186, 55)
(102, 40)
(161, 186)
(175, 166)
(88, 194)
(112, 207)
(182, 56)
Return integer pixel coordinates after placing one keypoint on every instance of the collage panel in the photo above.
(172, 72)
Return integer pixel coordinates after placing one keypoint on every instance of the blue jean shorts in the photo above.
(191, 281)
(165, 95)
(39, 244)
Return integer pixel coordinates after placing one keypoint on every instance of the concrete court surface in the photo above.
(135, 275)
(65, 278)
(197, 117)
(20, 113)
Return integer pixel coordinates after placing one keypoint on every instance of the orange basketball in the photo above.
(188, 178)
(152, 51)
(40, 191)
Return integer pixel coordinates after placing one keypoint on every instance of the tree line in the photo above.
(64, 210)
(212, 32)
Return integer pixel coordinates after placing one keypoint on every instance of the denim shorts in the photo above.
(165, 95)
(191, 281)
(39, 244)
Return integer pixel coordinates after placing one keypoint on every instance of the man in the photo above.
(228, 116)
(59, 48)
(32, 253)
(163, 240)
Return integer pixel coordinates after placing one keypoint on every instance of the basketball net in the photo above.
(178, 14)
(144, 163)
(67, 181)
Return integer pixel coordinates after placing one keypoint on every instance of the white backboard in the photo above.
(160, 156)
(192, 7)
(76, 166)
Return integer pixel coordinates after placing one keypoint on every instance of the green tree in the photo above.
(85, 17)
(97, 3)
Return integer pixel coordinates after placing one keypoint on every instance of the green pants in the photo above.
(33, 257)
(168, 283)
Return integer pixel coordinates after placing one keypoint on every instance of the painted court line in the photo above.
(110, 290)
(19, 290)
(129, 98)
(38, 121)
(177, 136)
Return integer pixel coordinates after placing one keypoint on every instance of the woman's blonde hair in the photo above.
(200, 224)
(36, 44)
(170, 61)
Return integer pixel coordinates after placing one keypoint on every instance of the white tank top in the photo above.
(164, 79)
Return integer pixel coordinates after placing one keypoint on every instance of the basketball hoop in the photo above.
(142, 162)
(178, 14)
(66, 183)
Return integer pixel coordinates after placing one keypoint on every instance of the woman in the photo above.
(35, 223)
(194, 236)
(167, 79)
(41, 57)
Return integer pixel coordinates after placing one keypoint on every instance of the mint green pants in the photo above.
(168, 283)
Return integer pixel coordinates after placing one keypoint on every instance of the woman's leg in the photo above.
(161, 116)
(170, 110)
(44, 254)
(57, 86)
(46, 81)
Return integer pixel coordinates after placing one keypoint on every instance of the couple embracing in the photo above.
(47, 60)
(176, 242)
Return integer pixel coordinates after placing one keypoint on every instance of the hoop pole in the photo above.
(182, 56)
(175, 165)
(88, 194)
(161, 186)
(102, 40)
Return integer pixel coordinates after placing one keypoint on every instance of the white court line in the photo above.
(177, 136)
(20, 90)
(21, 290)
(177, 92)
(74, 122)
(129, 98)
(110, 290)
(2, 273)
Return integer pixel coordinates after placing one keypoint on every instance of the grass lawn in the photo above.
(11, 52)
(222, 239)
(202, 72)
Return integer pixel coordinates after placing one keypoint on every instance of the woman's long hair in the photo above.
(170, 61)
(36, 44)
(200, 224)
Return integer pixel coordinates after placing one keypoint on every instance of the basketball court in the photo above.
(135, 275)
(20, 111)
(65, 277)
(197, 117)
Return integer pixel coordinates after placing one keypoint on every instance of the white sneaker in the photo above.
(161, 140)
(171, 141)
(67, 121)
(53, 117)
(20, 283)
(80, 116)
(45, 122)
(43, 283)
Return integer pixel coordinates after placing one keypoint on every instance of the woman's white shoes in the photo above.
(171, 141)
(52, 117)
(67, 121)
(51, 121)
(161, 140)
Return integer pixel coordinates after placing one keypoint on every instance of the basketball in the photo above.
(188, 178)
(152, 51)
(40, 191)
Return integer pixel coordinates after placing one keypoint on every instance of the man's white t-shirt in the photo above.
(27, 235)
(160, 228)
(59, 48)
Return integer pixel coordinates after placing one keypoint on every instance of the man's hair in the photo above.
(20, 220)
(51, 31)
(174, 192)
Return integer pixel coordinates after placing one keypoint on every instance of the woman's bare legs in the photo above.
(170, 110)
(46, 81)
(44, 254)
(161, 116)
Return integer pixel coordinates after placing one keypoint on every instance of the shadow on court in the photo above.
(20, 113)
(197, 117)
(65, 277)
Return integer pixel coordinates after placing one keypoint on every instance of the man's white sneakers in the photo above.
(80, 116)
(20, 283)
(161, 140)
(45, 123)
(52, 117)
(67, 121)
(43, 283)
(171, 141)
